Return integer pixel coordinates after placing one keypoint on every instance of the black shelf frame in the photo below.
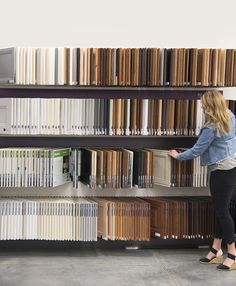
(161, 142)
(65, 91)
(132, 141)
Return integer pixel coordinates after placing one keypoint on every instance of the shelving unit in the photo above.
(131, 141)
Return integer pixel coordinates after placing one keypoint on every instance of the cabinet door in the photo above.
(162, 167)
(7, 65)
(6, 119)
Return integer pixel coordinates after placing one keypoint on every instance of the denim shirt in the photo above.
(211, 147)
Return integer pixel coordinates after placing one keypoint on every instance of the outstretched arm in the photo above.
(207, 135)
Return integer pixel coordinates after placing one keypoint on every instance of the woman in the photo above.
(216, 147)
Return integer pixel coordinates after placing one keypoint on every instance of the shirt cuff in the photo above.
(178, 156)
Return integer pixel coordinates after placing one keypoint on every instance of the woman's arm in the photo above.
(207, 135)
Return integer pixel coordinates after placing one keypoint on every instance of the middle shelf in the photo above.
(67, 190)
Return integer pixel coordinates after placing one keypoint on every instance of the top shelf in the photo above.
(66, 91)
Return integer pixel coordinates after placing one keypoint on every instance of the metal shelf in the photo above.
(55, 244)
(55, 91)
(83, 190)
(114, 87)
(95, 136)
(161, 142)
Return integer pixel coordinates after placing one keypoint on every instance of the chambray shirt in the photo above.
(211, 147)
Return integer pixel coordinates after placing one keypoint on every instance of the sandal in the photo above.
(215, 260)
(227, 268)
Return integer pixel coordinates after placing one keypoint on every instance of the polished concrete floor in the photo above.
(94, 267)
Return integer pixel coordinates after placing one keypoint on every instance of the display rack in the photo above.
(131, 141)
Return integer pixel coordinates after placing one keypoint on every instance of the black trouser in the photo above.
(222, 185)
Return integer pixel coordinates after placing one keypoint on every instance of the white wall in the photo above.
(114, 23)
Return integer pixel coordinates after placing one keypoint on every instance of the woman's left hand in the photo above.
(173, 153)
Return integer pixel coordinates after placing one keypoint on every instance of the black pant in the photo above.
(222, 185)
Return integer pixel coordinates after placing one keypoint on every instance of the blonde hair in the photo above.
(215, 109)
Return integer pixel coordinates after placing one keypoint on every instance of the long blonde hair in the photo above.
(216, 112)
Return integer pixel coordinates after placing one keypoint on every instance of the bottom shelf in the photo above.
(126, 219)
(153, 243)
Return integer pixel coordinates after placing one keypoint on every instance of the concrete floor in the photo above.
(114, 267)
